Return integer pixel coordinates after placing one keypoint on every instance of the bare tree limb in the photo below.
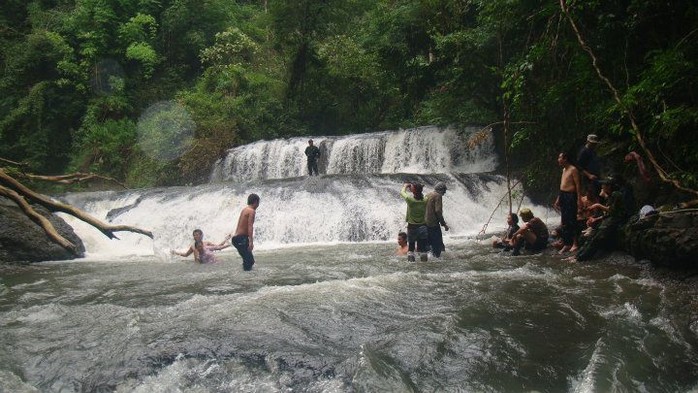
(508, 193)
(73, 178)
(39, 219)
(663, 175)
(106, 229)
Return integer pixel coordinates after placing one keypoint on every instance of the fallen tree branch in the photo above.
(663, 175)
(42, 221)
(72, 178)
(55, 206)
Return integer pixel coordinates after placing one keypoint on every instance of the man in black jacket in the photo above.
(312, 152)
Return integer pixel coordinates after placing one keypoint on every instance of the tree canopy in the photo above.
(87, 83)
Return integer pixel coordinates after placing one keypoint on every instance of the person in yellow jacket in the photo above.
(416, 222)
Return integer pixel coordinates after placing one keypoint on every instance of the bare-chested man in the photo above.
(568, 201)
(401, 244)
(243, 240)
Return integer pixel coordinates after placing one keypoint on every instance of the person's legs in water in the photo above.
(412, 237)
(436, 241)
(242, 244)
(423, 242)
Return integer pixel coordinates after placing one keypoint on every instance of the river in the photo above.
(328, 308)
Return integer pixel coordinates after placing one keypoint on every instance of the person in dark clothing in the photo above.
(568, 201)
(615, 215)
(434, 217)
(588, 163)
(533, 235)
(312, 152)
(243, 241)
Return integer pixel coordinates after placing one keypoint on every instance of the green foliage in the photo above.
(106, 147)
(79, 78)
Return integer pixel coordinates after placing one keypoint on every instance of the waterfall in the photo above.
(358, 201)
(419, 150)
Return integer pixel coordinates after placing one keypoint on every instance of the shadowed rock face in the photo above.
(668, 239)
(22, 240)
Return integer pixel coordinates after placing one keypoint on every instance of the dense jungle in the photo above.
(152, 92)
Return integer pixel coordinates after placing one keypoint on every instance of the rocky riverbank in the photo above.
(22, 240)
(668, 239)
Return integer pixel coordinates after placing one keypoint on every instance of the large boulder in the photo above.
(22, 240)
(668, 239)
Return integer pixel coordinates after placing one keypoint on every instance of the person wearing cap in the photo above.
(435, 219)
(312, 152)
(588, 162)
(615, 215)
(533, 234)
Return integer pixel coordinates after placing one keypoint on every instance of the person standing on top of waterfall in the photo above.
(416, 224)
(434, 218)
(312, 152)
(569, 202)
(243, 240)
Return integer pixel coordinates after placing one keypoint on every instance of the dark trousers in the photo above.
(312, 167)
(568, 216)
(436, 240)
(242, 244)
(419, 234)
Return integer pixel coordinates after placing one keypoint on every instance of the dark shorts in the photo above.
(242, 244)
(540, 245)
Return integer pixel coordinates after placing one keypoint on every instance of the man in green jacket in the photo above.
(416, 224)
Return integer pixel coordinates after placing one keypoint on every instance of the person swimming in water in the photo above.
(402, 248)
(202, 250)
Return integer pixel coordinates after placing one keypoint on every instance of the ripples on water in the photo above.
(344, 318)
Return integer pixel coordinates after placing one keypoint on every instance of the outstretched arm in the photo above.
(183, 254)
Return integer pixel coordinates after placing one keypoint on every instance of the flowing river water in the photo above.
(328, 308)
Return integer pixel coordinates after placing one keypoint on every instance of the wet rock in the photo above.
(22, 240)
(667, 239)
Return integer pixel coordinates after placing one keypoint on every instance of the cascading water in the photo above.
(420, 150)
(357, 201)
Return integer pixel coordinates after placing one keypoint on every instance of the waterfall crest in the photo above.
(419, 150)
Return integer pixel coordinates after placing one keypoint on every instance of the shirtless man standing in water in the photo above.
(568, 201)
(243, 240)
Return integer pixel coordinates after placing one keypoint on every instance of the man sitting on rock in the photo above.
(533, 234)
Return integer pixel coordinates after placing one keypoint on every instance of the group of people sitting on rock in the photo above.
(592, 211)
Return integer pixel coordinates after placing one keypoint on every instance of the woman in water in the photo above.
(203, 251)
